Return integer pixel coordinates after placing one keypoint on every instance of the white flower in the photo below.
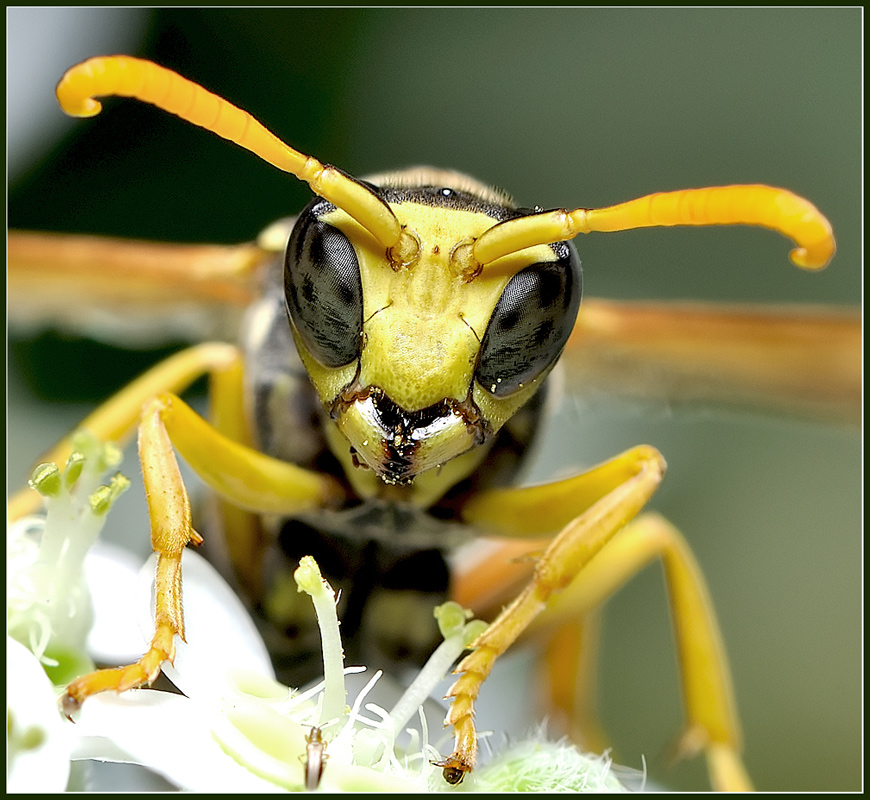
(38, 741)
(48, 603)
(235, 728)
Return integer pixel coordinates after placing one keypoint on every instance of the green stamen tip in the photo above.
(474, 629)
(308, 577)
(451, 617)
(110, 456)
(119, 484)
(105, 496)
(74, 466)
(100, 501)
(84, 441)
(46, 480)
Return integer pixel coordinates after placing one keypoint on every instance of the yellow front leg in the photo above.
(577, 584)
(610, 495)
(171, 531)
(241, 475)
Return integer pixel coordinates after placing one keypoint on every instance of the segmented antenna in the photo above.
(765, 206)
(134, 77)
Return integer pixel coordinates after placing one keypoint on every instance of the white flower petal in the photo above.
(221, 637)
(168, 733)
(38, 743)
(112, 577)
(264, 740)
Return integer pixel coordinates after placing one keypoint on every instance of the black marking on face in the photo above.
(403, 432)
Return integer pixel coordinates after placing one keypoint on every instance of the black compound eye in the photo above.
(530, 324)
(323, 291)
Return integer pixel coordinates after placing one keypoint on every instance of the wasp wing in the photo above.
(795, 360)
(804, 361)
(127, 292)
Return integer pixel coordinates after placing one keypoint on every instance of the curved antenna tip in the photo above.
(73, 103)
(802, 258)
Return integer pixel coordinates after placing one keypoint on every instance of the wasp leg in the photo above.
(242, 533)
(570, 622)
(708, 696)
(115, 420)
(171, 531)
(607, 496)
(240, 474)
(570, 651)
(569, 663)
(245, 477)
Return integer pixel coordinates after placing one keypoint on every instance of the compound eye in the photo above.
(323, 291)
(530, 324)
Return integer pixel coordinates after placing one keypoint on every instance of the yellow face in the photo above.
(398, 352)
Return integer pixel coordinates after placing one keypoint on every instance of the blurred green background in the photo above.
(561, 107)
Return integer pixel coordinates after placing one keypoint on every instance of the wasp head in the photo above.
(420, 360)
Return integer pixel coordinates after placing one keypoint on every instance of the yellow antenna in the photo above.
(134, 77)
(765, 206)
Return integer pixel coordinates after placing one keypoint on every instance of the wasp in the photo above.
(391, 375)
